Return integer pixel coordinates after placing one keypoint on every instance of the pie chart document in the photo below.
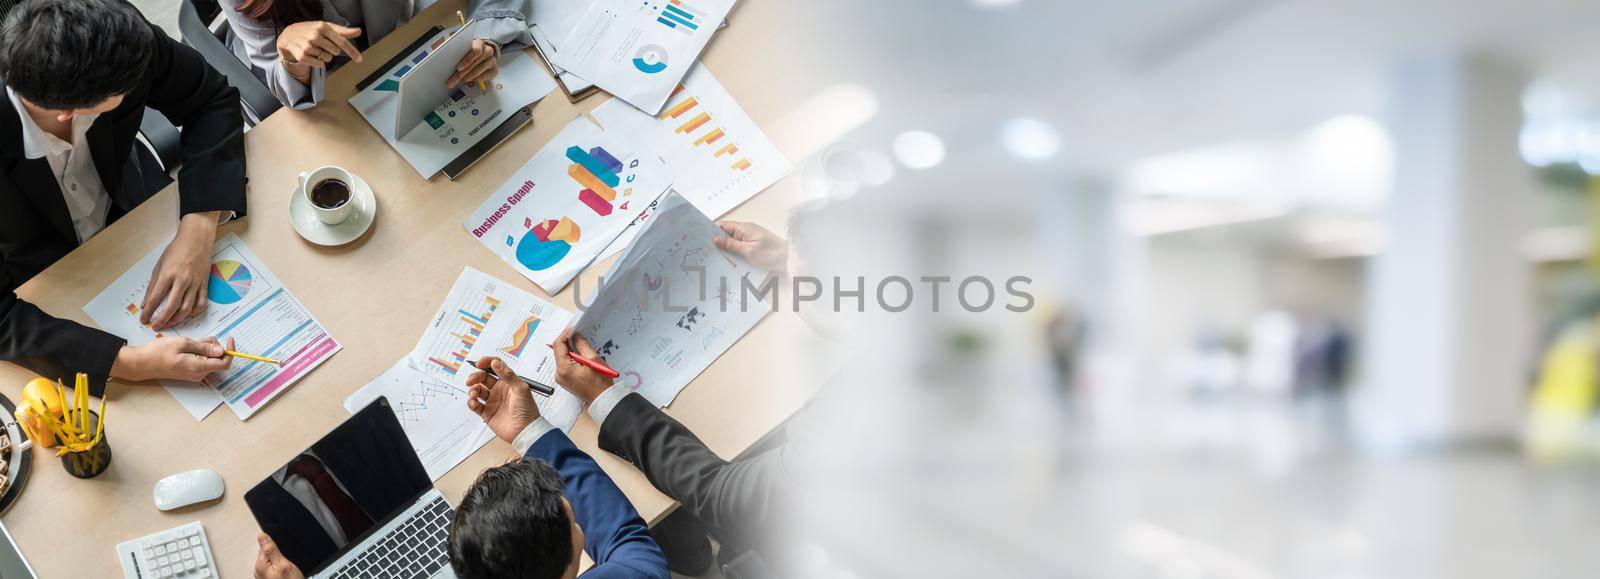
(246, 303)
(567, 204)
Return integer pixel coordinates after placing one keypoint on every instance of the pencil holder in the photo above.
(89, 463)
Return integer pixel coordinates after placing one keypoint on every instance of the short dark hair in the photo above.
(512, 524)
(72, 54)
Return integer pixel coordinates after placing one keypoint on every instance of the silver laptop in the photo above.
(358, 503)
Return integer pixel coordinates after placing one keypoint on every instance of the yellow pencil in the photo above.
(252, 357)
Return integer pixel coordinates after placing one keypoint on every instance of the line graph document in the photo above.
(432, 412)
(247, 304)
(484, 316)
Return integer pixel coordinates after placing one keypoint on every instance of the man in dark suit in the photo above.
(533, 517)
(76, 78)
(743, 503)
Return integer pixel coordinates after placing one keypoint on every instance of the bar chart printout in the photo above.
(719, 156)
(681, 16)
(456, 328)
(484, 316)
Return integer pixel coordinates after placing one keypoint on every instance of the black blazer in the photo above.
(36, 229)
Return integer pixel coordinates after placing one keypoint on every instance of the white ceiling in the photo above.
(1124, 80)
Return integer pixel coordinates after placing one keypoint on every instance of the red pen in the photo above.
(596, 366)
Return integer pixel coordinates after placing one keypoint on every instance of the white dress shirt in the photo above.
(73, 168)
(306, 494)
(599, 410)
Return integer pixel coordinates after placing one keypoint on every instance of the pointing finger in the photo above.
(152, 298)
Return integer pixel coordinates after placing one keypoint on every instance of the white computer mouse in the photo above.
(187, 488)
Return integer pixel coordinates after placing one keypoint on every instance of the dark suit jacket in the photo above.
(36, 229)
(740, 502)
(613, 534)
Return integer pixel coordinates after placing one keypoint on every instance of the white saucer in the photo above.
(304, 217)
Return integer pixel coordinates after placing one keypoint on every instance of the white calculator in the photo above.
(176, 552)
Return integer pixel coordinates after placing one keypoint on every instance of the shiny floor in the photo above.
(1208, 488)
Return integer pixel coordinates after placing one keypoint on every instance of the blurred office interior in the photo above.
(1316, 287)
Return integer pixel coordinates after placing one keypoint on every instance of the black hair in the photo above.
(512, 524)
(73, 54)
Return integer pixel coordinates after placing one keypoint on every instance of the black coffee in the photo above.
(330, 194)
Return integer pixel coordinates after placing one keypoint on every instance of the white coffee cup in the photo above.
(336, 214)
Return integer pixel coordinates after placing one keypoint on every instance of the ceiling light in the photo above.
(1030, 138)
(919, 149)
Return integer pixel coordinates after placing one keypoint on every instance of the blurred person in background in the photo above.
(1064, 335)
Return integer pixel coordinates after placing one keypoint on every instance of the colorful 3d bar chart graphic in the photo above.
(595, 170)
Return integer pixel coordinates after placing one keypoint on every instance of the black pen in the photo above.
(534, 385)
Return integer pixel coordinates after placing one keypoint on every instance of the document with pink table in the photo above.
(247, 303)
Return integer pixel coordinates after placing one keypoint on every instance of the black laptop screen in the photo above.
(329, 497)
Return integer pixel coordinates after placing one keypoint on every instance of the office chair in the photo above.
(193, 15)
(256, 101)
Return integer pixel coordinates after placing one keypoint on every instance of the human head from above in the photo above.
(74, 57)
(514, 522)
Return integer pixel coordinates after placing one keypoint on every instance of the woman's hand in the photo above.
(481, 64)
(306, 45)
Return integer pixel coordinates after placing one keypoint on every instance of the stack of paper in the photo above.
(552, 20)
(481, 316)
(637, 51)
(248, 305)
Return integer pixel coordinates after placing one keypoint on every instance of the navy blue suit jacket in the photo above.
(613, 534)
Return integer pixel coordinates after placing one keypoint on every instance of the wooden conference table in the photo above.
(374, 295)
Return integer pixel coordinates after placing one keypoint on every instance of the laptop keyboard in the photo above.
(415, 549)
